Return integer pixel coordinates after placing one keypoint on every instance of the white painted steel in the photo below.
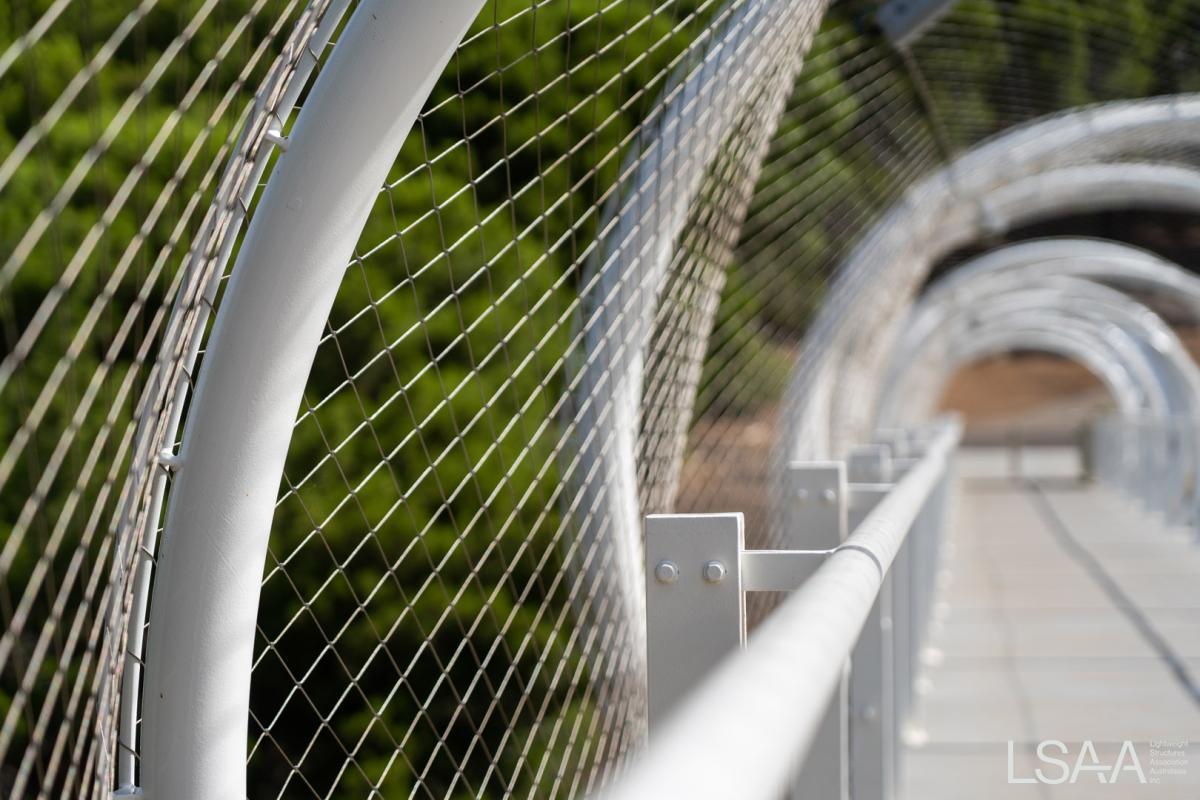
(869, 463)
(623, 283)
(819, 495)
(1172, 484)
(1114, 263)
(952, 326)
(742, 730)
(1078, 342)
(943, 326)
(1022, 264)
(1151, 376)
(820, 502)
(1116, 359)
(1138, 455)
(779, 570)
(874, 673)
(1064, 164)
(692, 622)
(279, 112)
(205, 596)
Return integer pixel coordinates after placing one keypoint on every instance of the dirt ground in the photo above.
(1011, 386)
(1034, 397)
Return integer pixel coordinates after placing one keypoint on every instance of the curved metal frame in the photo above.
(1110, 263)
(287, 273)
(135, 623)
(1113, 263)
(623, 284)
(1168, 461)
(827, 403)
(1002, 332)
(205, 595)
(1096, 356)
(1000, 301)
(207, 581)
(1032, 173)
(942, 318)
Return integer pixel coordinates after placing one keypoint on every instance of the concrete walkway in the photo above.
(1065, 613)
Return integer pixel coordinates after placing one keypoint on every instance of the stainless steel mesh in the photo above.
(578, 299)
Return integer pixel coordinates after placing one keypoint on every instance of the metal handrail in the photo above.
(744, 730)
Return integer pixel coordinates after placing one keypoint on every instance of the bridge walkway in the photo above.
(1064, 613)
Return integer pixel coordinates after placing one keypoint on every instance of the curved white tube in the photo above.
(1108, 262)
(1096, 356)
(135, 623)
(944, 317)
(1050, 168)
(1079, 160)
(701, 108)
(206, 589)
(994, 302)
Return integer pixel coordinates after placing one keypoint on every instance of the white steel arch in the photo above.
(205, 597)
(947, 328)
(1114, 263)
(623, 283)
(1111, 263)
(266, 114)
(1035, 171)
(287, 273)
(1097, 355)
(939, 323)
(1032, 173)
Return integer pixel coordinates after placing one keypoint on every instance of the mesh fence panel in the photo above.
(445, 609)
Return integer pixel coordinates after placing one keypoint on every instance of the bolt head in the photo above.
(714, 572)
(802, 496)
(666, 572)
(829, 497)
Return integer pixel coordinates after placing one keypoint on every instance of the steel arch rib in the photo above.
(1100, 260)
(1078, 346)
(995, 302)
(623, 282)
(1087, 157)
(239, 426)
(1023, 263)
(1123, 367)
(940, 317)
(1039, 171)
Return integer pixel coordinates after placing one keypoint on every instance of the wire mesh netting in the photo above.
(578, 299)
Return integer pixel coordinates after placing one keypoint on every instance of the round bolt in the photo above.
(666, 572)
(869, 713)
(714, 572)
(829, 497)
(802, 496)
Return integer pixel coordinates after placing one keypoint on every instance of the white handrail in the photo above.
(746, 728)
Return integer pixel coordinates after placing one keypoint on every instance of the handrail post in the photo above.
(820, 517)
(872, 688)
